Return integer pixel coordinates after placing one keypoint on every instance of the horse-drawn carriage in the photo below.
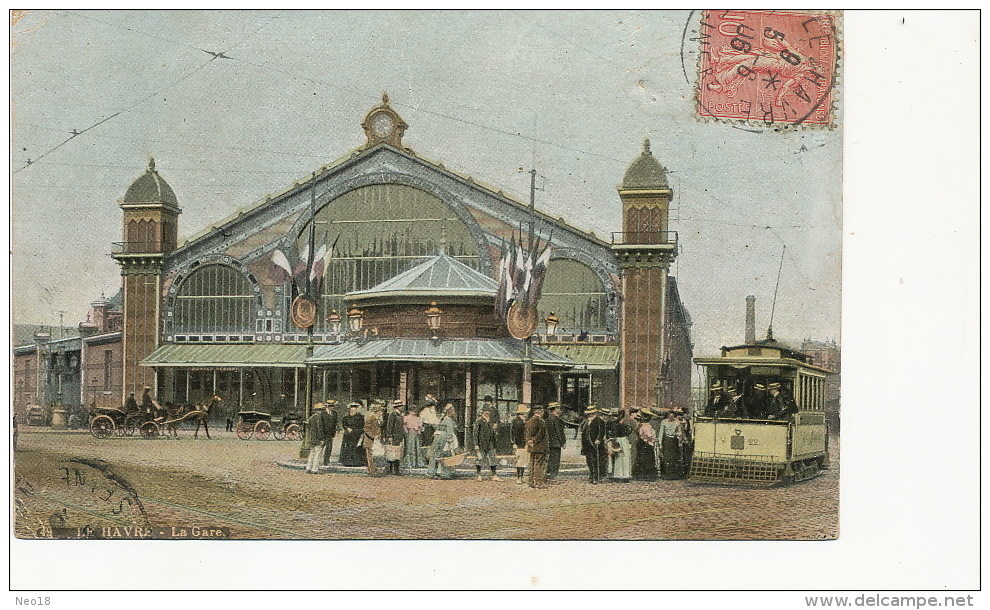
(155, 422)
(105, 422)
(261, 425)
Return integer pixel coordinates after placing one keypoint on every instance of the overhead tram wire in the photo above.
(363, 94)
(178, 143)
(75, 133)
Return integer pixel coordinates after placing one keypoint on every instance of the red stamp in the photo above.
(768, 68)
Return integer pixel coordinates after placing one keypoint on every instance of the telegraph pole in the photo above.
(304, 450)
(527, 385)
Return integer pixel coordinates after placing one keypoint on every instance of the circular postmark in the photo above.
(77, 498)
(764, 69)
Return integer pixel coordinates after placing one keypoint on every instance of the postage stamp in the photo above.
(768, 68)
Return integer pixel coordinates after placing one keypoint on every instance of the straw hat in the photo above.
(592, 409)
(523, 409)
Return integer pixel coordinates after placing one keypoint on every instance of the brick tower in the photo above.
(151, 214)
(645, 250)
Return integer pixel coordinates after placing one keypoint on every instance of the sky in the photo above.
(572, 94)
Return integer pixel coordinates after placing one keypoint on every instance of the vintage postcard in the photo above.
(432, 276)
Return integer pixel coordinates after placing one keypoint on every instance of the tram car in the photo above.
(764, 422)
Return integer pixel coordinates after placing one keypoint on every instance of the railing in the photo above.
(136, 247)
(644, 238)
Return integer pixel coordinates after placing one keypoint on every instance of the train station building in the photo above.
(405, 271)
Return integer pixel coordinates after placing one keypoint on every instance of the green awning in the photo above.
(585, 356)
(235, 355)
(507, 351)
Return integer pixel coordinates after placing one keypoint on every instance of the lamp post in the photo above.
(551, 322)
(433, 314)
(334, 320)
(355, 319)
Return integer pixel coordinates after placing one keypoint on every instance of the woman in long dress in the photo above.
(622, 459)
(353, 425)
(645, 467)
(413, 426)
(671, 432)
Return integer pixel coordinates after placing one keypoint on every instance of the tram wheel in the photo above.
(262, 430)
(244, 430)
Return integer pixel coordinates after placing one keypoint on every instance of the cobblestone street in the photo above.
(70, 479)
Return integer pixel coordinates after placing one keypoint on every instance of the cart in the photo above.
(261, 425)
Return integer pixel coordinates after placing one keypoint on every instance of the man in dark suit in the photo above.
(538, 446)
(593, 444)
(393, 436)
(484, 443)
(558, 438)
(330, 423)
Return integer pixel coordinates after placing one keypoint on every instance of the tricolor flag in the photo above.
(283, 269)
(539, 274)
(302, 264)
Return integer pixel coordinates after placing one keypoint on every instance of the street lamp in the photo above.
(355, 317)
(551, 321)
(334, 319)
(433, 316)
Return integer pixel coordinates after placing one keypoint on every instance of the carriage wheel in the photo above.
(244, 430)
(278, 432)
(120, 430)
(101, 426)
(262, 430)
(129, 428)
(150, 429)
(293, 432)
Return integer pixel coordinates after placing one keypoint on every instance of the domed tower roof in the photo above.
(645, 172)
(150, 188)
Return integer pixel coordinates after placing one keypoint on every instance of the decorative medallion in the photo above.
(522, 319)
(304, 311)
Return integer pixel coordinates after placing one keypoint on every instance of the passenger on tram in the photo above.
(716, 401)
(736, 406)
(757, 402)
(780, 406)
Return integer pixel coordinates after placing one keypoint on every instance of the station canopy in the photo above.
(499, 351)
(236, 355)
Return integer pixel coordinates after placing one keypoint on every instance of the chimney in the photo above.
(750, 319)
(88, 328)
(101, 306)
(42, 335)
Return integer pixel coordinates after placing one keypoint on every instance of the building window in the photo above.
(214, 297)
(576, 295)
(107, 367)
(383, 230)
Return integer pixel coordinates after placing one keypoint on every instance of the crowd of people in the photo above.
(618, 444)
(635, 443)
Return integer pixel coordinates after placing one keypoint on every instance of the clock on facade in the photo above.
(382, 124)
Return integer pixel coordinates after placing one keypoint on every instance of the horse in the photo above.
(199, 413)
